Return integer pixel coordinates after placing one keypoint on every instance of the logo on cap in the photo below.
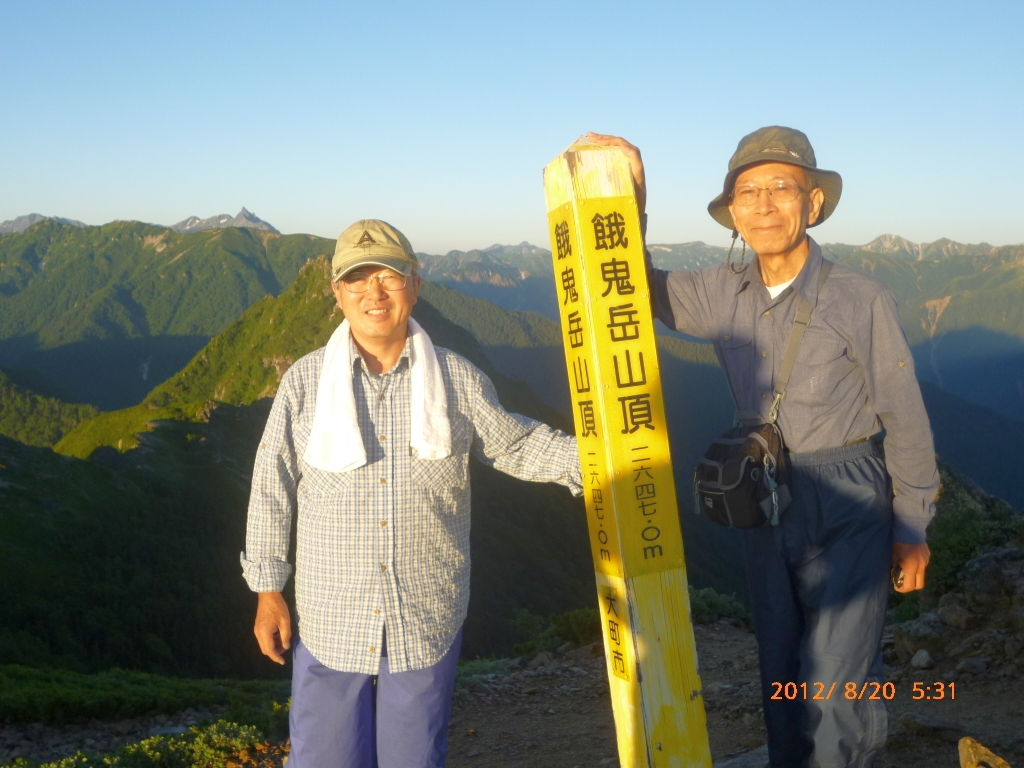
(366, 239)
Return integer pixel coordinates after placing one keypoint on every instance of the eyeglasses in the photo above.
(359, 282)
(778, 192)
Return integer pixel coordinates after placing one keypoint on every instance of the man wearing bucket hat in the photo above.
(819, 578)
(367, 447)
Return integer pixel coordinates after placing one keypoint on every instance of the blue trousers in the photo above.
(391, 720)
(819, 585)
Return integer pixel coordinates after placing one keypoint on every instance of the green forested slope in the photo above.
(36, 420)
(133, 537)
(107, 312)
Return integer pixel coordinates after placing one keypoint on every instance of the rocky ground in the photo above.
(555, 711)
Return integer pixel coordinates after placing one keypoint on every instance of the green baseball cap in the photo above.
(776, 144)
(372, 242)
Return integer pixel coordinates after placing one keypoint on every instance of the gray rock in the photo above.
(973, 665)
(717, 687)
(951, 598)
(930, 726)
(542, 659)
(926, 631)
(1016, 618)
(757, 758)
(1012, 647)
(565, 648)
(958, 617)
(922, 660)
(983, 581)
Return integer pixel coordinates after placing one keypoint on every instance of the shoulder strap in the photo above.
(803, 317)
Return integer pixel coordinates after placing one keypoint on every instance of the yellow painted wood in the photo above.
(632, 515)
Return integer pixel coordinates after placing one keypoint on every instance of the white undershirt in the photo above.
(775, 290)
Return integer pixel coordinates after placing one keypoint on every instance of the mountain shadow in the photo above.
(978, 364)
(108, 373)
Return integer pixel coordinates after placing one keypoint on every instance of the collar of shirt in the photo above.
(805, 283)
(358, 363)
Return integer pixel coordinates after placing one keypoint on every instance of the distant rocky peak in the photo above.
(245, 218)
(22, 223)
(939, 249)
(894, 244)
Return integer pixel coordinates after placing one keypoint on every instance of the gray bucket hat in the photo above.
(776, 144)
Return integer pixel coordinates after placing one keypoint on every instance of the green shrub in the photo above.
(708, 606)
(965, 521)
(582, 626)
(208, 747)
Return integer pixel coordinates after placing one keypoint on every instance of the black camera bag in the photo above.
(742, 480)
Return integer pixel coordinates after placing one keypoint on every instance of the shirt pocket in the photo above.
(440, 476)
(318, 484)
(820, 347)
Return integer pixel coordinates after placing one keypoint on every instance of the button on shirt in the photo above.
(386, 544)
(854, 373)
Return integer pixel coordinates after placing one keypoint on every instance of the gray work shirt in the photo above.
(853, 376)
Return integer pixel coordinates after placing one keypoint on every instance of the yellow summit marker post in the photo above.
(615, 383)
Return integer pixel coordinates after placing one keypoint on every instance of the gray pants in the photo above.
(819, 586)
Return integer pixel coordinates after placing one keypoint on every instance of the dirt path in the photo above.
(560, 715)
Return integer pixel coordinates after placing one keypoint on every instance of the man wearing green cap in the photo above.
(819, 578)
(366, 449)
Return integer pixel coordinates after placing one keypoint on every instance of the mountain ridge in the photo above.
(21, 223)
(244, 218)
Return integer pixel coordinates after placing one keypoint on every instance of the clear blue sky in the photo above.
(440, 116)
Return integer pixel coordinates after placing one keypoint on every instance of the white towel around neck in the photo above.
(335, 442)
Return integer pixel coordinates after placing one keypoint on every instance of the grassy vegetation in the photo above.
(34, 419)
(210, 746)
(252, 711)
(121, 429)
(51, 695)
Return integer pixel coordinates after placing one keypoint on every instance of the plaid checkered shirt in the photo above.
(387, 543)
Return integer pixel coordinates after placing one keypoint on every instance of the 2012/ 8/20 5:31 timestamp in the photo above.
(872, 691)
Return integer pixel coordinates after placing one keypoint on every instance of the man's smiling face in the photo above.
(769, 226)
(377, 314)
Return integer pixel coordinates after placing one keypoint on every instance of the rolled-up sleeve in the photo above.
(523, 447)
(272, 501)
(895, 396)
(682, 301)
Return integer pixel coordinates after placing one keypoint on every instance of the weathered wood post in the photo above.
(615, 383)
